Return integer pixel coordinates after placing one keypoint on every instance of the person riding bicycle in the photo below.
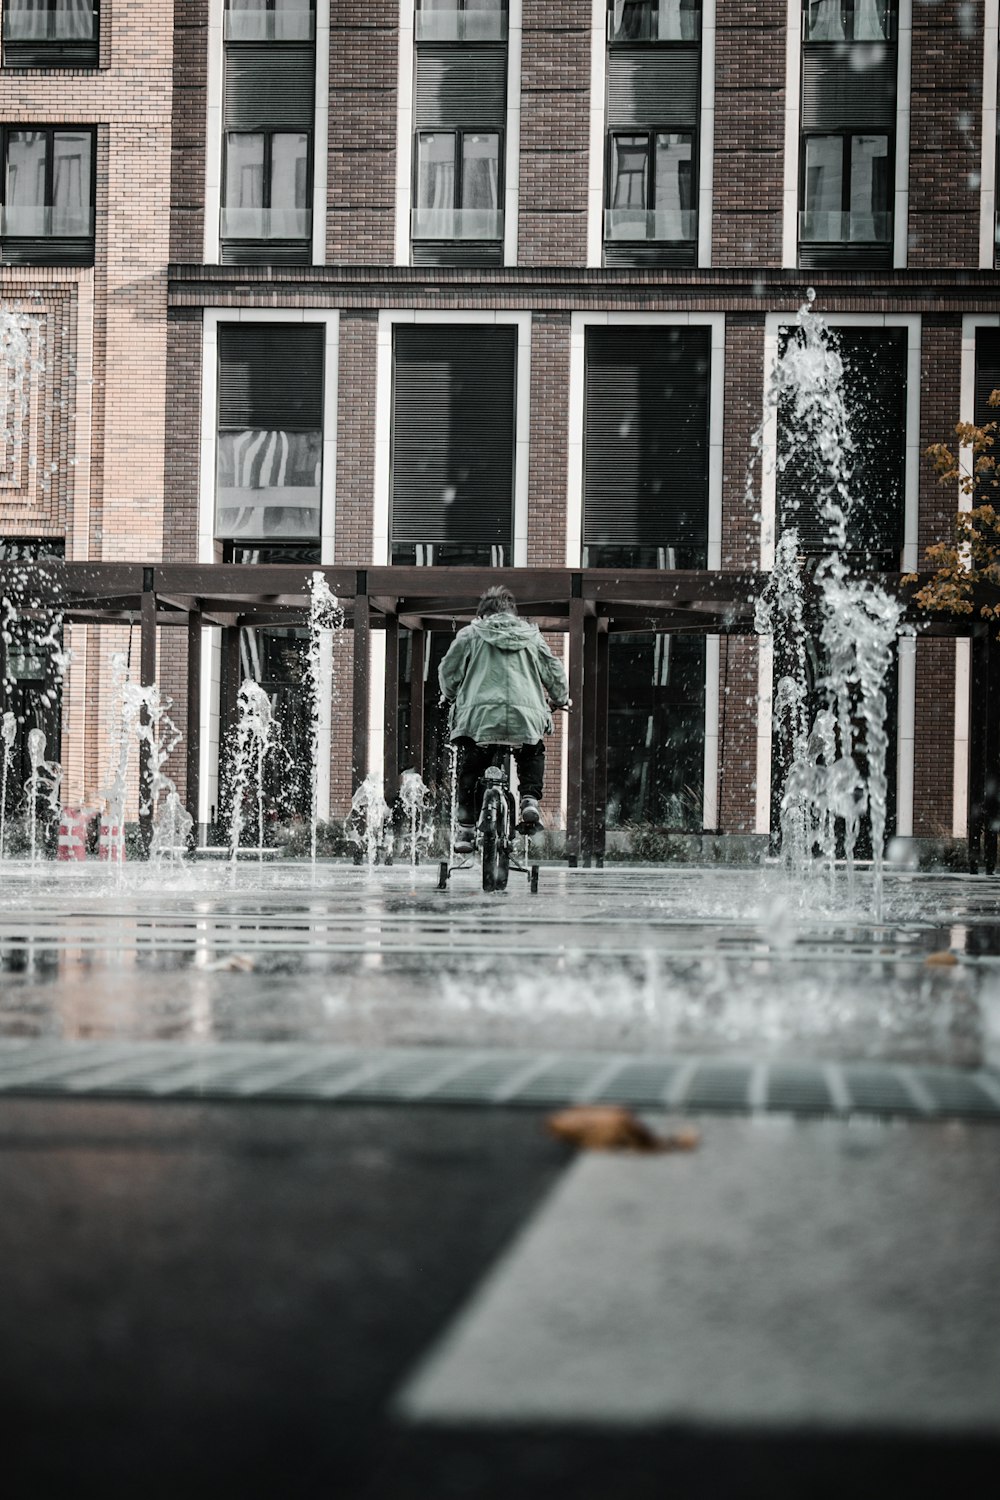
(500, 677)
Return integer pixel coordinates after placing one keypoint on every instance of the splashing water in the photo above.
(413, 798)
(257, 734)
(857, 627)
(8, 737)
(139, 717)
(325, 616)
(452, 800)
(43, 781)
(171, 830)
(368, 825)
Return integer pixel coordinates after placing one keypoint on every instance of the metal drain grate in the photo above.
(451, 1075)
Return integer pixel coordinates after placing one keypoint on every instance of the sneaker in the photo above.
(465, 838)
(531, 816)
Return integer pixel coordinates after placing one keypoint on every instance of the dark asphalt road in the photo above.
(221, 1300)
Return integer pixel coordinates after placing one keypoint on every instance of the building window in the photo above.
(458, 186)
(459, 121)
(654, 21)
(651, 187)
(847, 134)
(987, 380)
(846, 190)
(453, 443)
(30, 683)
(656, 730)
(875, 362)
(645, 447)
(267, 193)
(270, 20)
(269, 108)
(50, 33)
(461, 20)
(270, 432)
(48, 203)
(847, 21)
(652, 116)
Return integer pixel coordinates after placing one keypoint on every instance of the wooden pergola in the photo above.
(587, 604)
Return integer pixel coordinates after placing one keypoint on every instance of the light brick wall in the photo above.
(113, 509)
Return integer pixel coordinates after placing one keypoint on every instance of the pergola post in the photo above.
(193, 765)
(576, 728)
(390, 750)
(147, 677)
(601, 681)
(362, 680)
(588, 811)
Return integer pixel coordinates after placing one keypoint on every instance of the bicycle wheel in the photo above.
(489, 843)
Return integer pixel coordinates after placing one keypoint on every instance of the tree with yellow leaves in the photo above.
(972, 556)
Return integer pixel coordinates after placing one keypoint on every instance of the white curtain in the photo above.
(870, 21)
(826, 23)
(670, 28)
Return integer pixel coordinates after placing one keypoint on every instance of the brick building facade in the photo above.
(589, 202)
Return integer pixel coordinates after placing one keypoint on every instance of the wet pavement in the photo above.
(672, 959)
(281, 1216)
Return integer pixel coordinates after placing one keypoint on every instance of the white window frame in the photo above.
(716, 322)
(381, 540)
(598, 133)
(404, 131)
(214, 132)
(211, 635)
(793, 89)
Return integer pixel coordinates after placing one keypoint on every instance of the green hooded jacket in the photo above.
(500, 675)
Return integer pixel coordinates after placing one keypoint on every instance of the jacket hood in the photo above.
(508, 632)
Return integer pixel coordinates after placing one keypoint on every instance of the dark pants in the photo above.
(473, 760)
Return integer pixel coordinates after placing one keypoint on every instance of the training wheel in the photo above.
(533, 880)
(443, 875)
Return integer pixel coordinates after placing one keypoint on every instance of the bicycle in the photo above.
(494, 835)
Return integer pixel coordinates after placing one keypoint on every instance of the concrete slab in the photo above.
(787, 1275)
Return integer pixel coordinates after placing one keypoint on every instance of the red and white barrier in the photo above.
(72, 833)
(111, 842)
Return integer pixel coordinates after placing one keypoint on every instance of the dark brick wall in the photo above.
(940, 375)
(183, 435)
(743, 391)
(554, 151)
(737, 734)
(933, 769)
(355, 489)
(361, 181)
(356, 437)
(945, 133)
(749, 132)
(547, 449)
(187, 167)
(555, 133)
